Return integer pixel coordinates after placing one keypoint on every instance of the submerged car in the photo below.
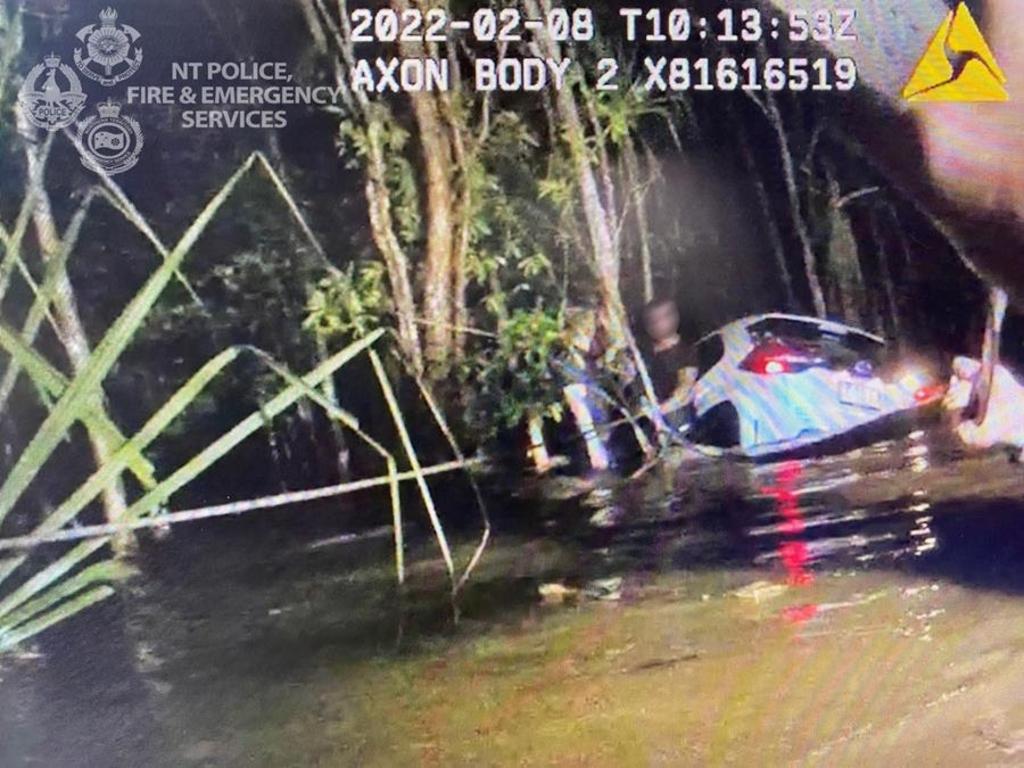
(776, 383)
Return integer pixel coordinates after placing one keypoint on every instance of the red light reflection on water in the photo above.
(798, 614)
(794, 560)
(793, 551)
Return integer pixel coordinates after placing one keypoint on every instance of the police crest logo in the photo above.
(111, 53)
(110, 140)
(43, 100)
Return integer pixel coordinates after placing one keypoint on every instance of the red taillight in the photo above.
(772, 357)
(929, 394)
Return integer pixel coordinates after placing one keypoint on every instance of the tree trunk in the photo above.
(378, 197)
(599, 226)
(437, 162)
(793, 198)
(844, 258)
(396, 261)
(606, 260)
(885, 275)
(768, 214)
(604, 162)
(465, 151)
(638, 192)
(69, 327)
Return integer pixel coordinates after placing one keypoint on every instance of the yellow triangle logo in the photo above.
(958, 65)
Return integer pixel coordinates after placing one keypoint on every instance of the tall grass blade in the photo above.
(49, 575)
(63, 611)
(121, 203)
(77, 396)
(296, 212)
(346, 419)
(410, 452)
(442, 424)
(52, 384)
(12, 247)
(99, 573)
(44, 298)
(249, 425)
(151, 430)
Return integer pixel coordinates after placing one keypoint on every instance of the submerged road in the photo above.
(824, 612)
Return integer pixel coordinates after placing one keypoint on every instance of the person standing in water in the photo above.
(671, 362)
(581, 371)
(578, 370)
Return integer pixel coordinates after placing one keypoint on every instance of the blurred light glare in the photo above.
(913, 380)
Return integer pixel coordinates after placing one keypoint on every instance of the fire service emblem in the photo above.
(111, 53)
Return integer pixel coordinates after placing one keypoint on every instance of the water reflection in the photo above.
(792, 549)
(241, 652)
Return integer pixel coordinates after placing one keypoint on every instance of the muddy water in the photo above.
(867, 608)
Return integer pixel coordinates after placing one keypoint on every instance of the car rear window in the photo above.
(709, 352)
(839, 345)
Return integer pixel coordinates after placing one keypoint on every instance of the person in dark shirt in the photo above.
(671, 363)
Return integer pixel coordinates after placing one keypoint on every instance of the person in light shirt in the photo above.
(1004, 423)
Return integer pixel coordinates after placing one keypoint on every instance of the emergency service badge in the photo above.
(112, 53)
(110, 140)
(44, 102)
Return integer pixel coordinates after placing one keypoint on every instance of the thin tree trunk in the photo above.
(330, 392)
(771, 226)
(603, 159)
(465, 151)
(308, 8)
(436, 144)
(606, 259)
(395, 259)
(69, 326)
(460, 269)
(771, 108)
(378, 198)
(845, 257)
(638, 192)
(597, 218)
(885, 274)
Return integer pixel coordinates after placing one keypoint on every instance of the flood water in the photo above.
(865, 608)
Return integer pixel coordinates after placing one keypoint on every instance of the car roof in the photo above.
(835, 327)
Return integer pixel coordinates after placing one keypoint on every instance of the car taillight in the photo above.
(772, 357)
(929, 393)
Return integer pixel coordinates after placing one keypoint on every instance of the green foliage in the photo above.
(10, 50)
(65, 587)
(509, 248)
(10, 47)
(21, 618)
(558, 187)
(517, 377)
(620, 112)
(390, 139)
(350, 304)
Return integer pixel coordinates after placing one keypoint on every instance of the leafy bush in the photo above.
(350, 304)
(516, 377)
